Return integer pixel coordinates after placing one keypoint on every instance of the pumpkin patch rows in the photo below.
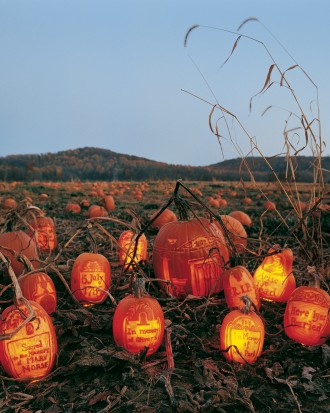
(148, 298)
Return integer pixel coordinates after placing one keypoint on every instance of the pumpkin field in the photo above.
(164, 297)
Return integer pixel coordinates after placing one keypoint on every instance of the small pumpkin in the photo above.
(242, 217)
(97, 211)
(306, 317)
(39, 287)
(242, 334)
(138, 321)
(235, 232)
(270, 206)
(274, 277)
(30, 354)
(237, 282)
(130, 252)
(166, 216)
(73, 208)
(44, 232)
(109, 203)
(90, 278)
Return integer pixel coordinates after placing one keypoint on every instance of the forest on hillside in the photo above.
(93, 164)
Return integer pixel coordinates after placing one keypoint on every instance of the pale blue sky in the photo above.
(110, 74)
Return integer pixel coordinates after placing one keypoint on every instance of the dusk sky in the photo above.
(115, 74)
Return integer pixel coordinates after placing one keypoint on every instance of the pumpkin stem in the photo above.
(248, 304)
(91, 239)
(139, 289)
(315, 280)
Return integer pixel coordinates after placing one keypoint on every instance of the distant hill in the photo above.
(91, 164)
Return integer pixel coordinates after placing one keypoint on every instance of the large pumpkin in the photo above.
(30, 354)
(39, 287)
(21, 243)
(45, 233)
(306, 317)
(190, 254)
(138, 322)
(131, 252)
(90, 278)
(274, 278)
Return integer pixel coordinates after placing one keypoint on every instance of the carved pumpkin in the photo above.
(21, 243)
(274, 278)
(238, 281)
(235, 230)
(90, 278)
(166, 216)
(30, 353)
(45, 233)
(306, 317)
(190, 254)
(242, 217)
(242, 335)
(126, 245)
(39, 287)
(138, 322)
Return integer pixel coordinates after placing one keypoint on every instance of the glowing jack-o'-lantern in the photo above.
(30, 353)
(131, 252)
(238, 281)
(138, 321)
(90, 278)
(39, 287)
(45, 233)
(190, 254)
(242, 335)
(274, 278)
(306, 317)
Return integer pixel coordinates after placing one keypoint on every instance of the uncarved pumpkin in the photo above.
(21, 243)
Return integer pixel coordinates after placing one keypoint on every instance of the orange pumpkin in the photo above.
(166, 216)
(73, 208)
(190, 254)
(39, 287)
(45, 233)
(238, 281)
(138, 322)
(9, 203)
(127, 246)
(109, 203)
(274, 278)
(30, 354)
(21, 243)
(242, 334)
(242, 217)
(270, 206)
(96, 211)
(90, 278)
(235, 232)
(306, 317)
